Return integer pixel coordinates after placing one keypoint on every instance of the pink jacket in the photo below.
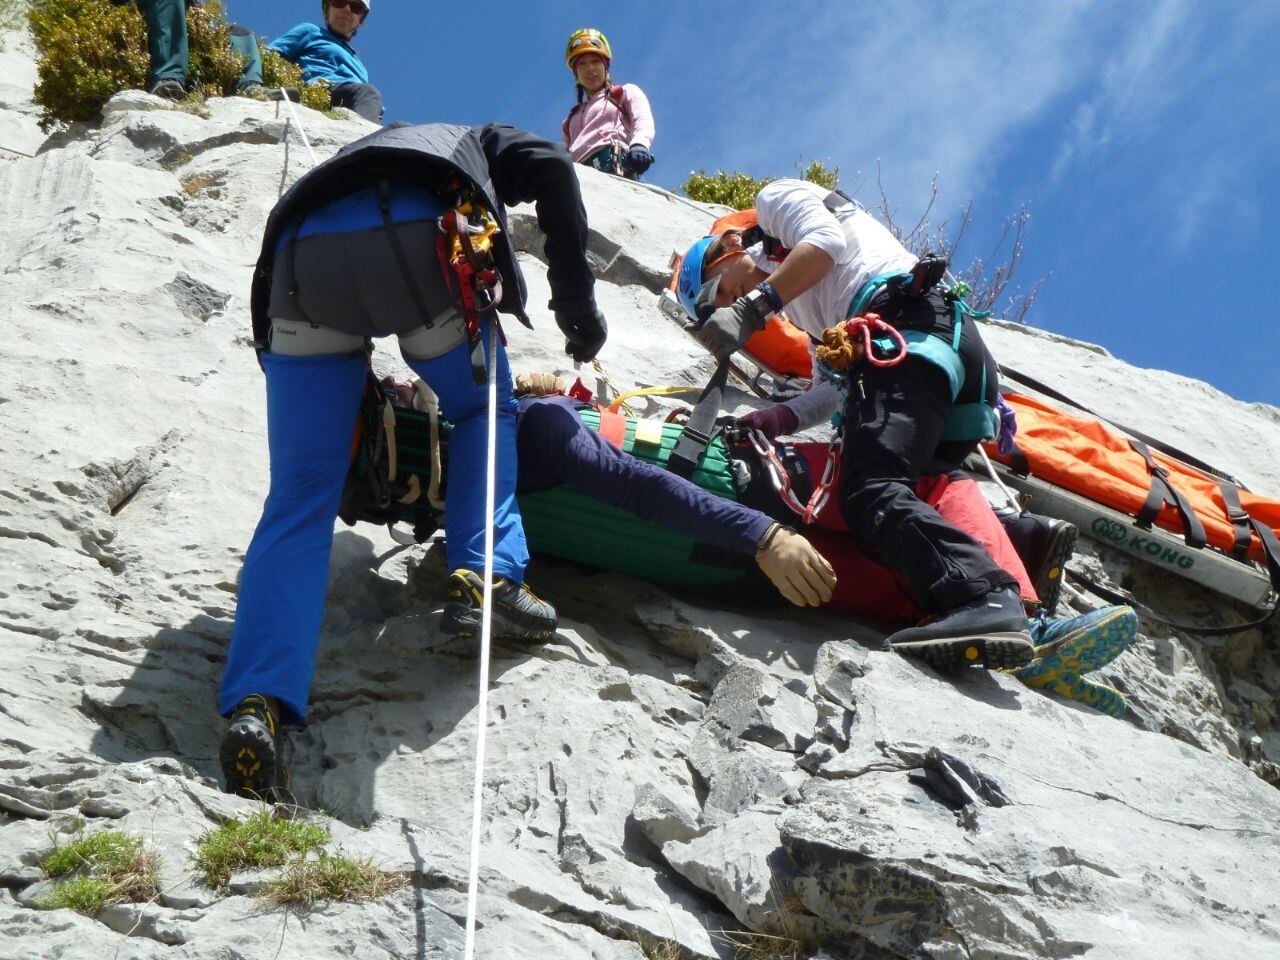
(600, 121)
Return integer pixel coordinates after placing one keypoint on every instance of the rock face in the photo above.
(663, 774)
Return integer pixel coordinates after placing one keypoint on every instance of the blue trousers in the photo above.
(312, 403)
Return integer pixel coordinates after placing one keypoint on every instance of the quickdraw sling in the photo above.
(464, 247)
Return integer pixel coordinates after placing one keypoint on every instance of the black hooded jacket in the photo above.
(507, 165)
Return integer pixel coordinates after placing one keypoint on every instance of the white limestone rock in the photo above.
(663, 771)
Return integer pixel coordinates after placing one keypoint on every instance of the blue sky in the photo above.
(1143, 135)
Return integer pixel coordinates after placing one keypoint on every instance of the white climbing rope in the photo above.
(302, 131)
(1009, 495)
(486, 632)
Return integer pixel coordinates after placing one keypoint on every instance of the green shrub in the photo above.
(738, 190)
(88, 50)
(279, 72)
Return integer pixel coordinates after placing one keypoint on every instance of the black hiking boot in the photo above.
(990, 632)
(169, 89)
(517, 613)
(251, 754)
(1045, 544)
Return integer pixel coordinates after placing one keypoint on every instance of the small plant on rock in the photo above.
(654, 948)
(263, 840)
(89, 50)
(332, 877)
(112, 867)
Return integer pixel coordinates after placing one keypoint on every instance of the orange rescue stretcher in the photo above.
(1144, 502)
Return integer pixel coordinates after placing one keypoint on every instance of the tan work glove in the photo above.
(801, 573)
(538, 385)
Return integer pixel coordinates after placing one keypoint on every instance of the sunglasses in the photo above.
(356, 6)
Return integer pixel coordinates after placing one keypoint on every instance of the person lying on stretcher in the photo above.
(817, 564)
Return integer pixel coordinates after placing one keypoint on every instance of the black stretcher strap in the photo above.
(1241, 522)
(1115, 596)
(1163, 492)
(1018, 461)
(701, 426)
(1270, 550)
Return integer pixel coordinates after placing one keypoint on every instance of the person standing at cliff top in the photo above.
(611, 126)
(360, 248)
(326, 56)
(167, 49)
(825, 259)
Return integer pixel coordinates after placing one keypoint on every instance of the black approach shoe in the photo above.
(1045, 544)
(517, 613)
(990, 632)
(251, 756)
(169, 90)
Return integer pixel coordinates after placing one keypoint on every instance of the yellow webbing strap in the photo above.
(650, 392)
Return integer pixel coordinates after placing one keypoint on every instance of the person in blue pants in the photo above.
(336, 270)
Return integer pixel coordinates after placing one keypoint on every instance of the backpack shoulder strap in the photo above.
(773, 247)
(619, 98)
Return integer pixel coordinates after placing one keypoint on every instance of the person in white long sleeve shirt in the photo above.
(815, 253)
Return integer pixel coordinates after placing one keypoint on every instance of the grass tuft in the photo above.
(86, 895)
(262, 840)
(108, 851)
(654, 948)
(763, 946)
(332, 877)
(113, 867)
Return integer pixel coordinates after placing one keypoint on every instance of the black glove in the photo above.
(730, 327)
(584, 328)
(639, 159)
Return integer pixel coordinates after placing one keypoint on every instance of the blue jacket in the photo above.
(322, 55)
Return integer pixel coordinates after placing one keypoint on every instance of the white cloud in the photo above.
(1143, 64)
(925, 88)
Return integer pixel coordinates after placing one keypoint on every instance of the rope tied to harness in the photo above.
(850, 343)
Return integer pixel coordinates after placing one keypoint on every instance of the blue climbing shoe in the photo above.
(1085, 643)
(1069, 648)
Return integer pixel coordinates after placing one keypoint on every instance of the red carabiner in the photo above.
(864, 325)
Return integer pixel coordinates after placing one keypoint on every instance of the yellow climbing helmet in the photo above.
(587, 40)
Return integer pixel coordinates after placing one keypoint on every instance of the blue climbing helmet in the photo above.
(689, 284)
